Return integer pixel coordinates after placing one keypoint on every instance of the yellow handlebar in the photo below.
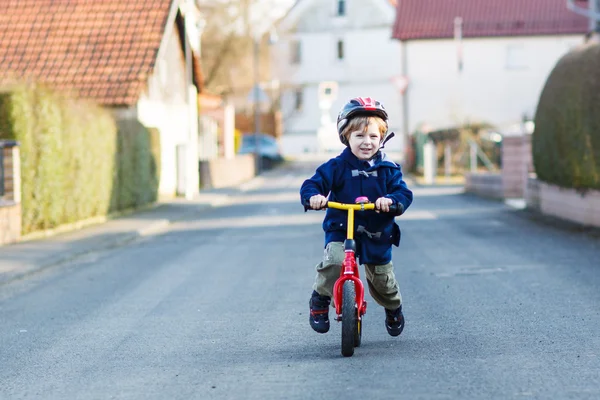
(357, 207)
(351, 208)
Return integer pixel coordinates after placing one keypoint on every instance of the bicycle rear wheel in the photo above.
(349, 318)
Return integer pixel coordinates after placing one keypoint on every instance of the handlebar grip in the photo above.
(306, 204)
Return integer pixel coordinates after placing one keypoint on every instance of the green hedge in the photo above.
(76, 161)
(566, 140)
(138, 165)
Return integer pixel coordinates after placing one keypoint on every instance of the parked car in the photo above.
(268, 148)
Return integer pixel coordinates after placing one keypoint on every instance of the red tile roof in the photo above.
(103, 49)
(430, 19)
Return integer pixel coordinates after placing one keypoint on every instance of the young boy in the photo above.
(360, 170)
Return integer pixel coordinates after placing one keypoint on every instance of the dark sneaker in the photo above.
(319, 312)
(394, 321)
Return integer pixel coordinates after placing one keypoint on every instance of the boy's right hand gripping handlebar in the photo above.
(394, 208)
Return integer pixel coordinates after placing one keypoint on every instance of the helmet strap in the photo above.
(385, 140)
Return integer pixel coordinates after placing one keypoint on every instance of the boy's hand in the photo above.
(317, 202)
(383, 204)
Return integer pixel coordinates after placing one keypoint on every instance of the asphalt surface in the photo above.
(212, 303)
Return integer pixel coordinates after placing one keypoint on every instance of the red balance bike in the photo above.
(348, 290)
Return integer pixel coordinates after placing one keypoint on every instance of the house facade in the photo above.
(340, 46)
(465, 63)
(138, 59)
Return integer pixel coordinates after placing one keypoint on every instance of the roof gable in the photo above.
(430, 19)
(104, 50)
(305, 8)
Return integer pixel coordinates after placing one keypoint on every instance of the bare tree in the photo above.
(227, 44)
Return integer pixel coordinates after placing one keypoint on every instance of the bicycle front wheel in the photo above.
(349, 318)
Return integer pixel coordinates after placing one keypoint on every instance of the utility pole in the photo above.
(257, 138)
(253, 35)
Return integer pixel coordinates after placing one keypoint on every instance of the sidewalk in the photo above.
(24, 258)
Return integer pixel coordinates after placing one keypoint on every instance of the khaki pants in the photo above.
(380, 278)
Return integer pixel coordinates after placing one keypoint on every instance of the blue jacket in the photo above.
(344, 178)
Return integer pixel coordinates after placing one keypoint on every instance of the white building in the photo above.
(469, 63)
(343, 41)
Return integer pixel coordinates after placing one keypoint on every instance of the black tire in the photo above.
(348, 318)
(358, 332)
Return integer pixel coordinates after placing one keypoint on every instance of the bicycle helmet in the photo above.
(359, 106)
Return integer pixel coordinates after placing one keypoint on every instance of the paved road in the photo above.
(498, 307)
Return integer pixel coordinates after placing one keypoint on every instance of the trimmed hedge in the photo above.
(138, 165)
(76, 161)
(566, 140)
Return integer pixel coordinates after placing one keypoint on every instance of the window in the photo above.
(298, 99)
(340, 49)
(295, 52)
(341, 8)
(516, 57)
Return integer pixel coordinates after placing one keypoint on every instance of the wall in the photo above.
(222, 172)
(517, 164)
(532, 194)
(165, 106)
(568, 204)
(10, 202)
(484, 184)
(502, 78)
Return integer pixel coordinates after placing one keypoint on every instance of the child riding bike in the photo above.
(362, 169)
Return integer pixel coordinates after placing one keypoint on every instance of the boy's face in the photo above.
(364, 144)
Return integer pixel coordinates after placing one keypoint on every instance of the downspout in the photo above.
(405, 109)
(192, 178)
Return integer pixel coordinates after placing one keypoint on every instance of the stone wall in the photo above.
(223, 172)
(486, 184)
(569, 204)
(517, 163)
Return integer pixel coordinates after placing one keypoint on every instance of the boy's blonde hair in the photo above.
(361, 123)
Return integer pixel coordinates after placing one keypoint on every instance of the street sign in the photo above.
(401, 83)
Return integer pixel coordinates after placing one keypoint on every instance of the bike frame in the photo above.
(349, 269)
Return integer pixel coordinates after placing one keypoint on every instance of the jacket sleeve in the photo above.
(320, 183)
(398, 191)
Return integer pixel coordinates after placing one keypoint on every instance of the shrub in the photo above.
(76, 161)
(566, 140)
